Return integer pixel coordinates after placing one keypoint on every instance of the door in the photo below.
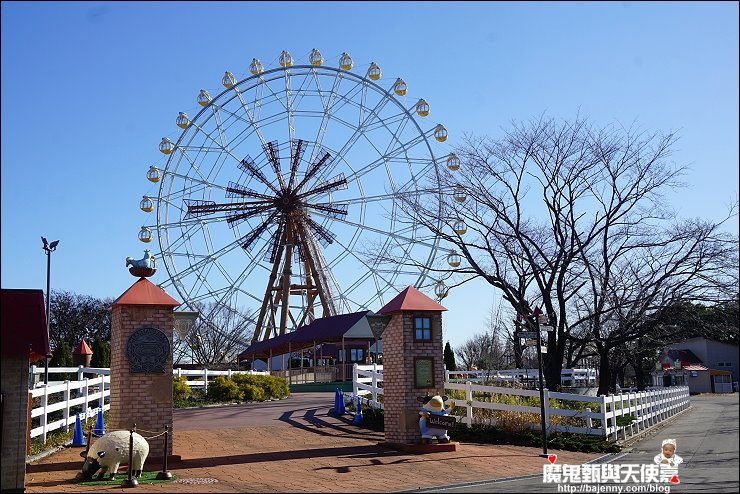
(666, 380)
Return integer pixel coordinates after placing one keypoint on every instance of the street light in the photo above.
(537, 313)
(48, 248)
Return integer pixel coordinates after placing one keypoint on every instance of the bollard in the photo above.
(342, 410)
(99, 423)
(78, 439)
(164, 474)
(130, 481)
(358, 412)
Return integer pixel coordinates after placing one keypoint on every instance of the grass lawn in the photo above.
(146, 478)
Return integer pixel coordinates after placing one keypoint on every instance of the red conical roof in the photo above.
(83, 349)
(411, 299)
(144, 292)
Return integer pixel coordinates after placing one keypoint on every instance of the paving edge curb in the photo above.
(48, 452)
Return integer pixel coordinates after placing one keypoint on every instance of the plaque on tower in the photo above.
(148, 350)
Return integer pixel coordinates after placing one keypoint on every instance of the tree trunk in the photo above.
(605, 372)
(639, 377)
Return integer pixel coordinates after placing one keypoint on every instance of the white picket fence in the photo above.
(202, 376)
(568, 377)
(648, 408)
(85, 391)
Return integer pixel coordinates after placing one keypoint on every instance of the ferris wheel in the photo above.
(280, 197)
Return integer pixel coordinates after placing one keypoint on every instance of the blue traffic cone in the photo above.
(358, 412)
(99, 425)
(78, 439)
(342, 409)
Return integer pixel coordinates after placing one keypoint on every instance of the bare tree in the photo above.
(571, 218)
(217, 337)
(488, 350)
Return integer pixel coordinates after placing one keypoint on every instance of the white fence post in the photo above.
(66, 406)
(86, 394)
(179, 372)
(205, 380)
(45, 405)
(355, 379)
(469, 403)
(101, 401)
(79, 373)
(604, 428)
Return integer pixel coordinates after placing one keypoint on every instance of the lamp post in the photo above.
(48, 248)
(536, 313)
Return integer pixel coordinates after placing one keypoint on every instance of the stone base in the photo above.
(421, 449)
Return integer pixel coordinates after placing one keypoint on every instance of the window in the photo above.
(423, 329)
(357, 354)
(724, 364)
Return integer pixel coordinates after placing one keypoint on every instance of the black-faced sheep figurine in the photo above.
(110, 451)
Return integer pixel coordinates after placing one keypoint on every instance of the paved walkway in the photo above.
(294, 445)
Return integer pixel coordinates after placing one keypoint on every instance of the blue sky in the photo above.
(89, 89)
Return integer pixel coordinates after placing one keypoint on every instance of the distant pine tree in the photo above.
(101, 353)
(61, 357)
(449, 358)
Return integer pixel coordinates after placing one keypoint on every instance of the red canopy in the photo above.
(24, 330)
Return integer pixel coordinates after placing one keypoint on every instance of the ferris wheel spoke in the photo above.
(209, 258)
(325, 116)
(289, 106)
(402, 148)
(363, 126)
(396, 234)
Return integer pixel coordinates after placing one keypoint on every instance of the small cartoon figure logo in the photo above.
(668, 456)
(668, 460)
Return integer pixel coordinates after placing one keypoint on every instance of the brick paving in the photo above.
(297, 446)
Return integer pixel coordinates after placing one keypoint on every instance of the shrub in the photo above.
(180, 389)
(250, 392)
(224, 389)
(272, 387)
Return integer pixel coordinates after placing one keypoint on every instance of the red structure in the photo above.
(82, 354)
(412, 365)
(141, 397)
(24, 339)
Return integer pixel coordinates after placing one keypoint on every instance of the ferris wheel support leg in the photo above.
(267, 301)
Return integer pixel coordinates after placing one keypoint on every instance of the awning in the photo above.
(24, 331)
(323, 330)
(694, 367)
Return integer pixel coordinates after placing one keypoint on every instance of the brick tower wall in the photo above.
(144, 399)
(401, 413)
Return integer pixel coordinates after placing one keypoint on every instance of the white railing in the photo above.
(80, 393)
(85, 391)
(645, 408)
(203, 375)
(568, 377)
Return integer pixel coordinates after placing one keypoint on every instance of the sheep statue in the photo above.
(110, 451)
(434, 420)
(142, 267)
(146, 262)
